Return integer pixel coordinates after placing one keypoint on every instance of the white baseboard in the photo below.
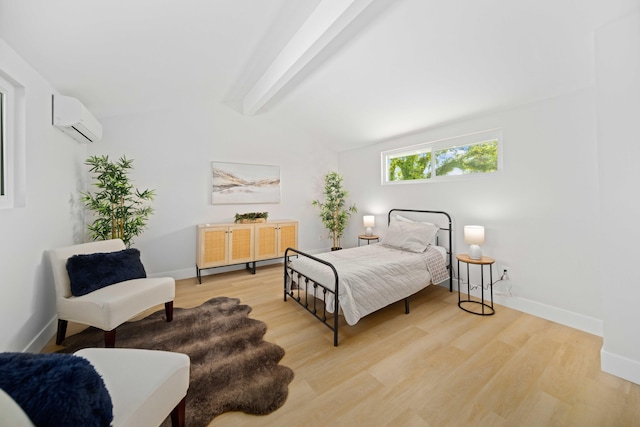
(185, 273)
(39, 341)
(620, 366)
(564, 317)
(188, 273)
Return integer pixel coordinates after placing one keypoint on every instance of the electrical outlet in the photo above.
(504, 271)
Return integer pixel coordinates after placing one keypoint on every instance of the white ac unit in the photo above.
(71, 117)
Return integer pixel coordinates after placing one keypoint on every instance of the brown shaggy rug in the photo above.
(232, 367)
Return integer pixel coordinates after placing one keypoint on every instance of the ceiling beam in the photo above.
(324, 24)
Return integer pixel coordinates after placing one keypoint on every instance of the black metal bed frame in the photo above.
(309, 300)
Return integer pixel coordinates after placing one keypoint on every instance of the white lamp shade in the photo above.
(473, 234)
(369, 221)
(474, 237)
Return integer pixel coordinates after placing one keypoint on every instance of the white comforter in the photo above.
(370, 277)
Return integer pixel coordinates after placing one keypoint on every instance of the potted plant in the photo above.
(333, 212)
(121, 211)
(250, 217)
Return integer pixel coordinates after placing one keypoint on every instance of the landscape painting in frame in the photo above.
(244, 183)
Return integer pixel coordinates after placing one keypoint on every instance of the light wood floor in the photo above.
(437, 366)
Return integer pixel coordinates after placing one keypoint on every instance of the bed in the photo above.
(414, 253)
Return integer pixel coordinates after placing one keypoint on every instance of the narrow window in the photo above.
(11, 143)
(2, 155)
(477, 153)
(409, 165)
(467, 159)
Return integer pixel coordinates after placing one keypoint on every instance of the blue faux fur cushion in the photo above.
(56, 389)
(91, 272)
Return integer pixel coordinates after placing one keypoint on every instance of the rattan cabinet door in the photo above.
(288, 237)
(266, 241)
(212, 246)
(241, 244)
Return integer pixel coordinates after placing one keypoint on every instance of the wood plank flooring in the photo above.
(437, 366)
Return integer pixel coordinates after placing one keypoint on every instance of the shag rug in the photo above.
(232, 367)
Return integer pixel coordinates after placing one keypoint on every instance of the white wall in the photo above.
(618, 77)
(540, 213)
(173, 150)
(48, 219)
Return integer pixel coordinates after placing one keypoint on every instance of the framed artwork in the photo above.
(235, 183)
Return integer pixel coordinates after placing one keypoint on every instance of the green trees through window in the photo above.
(467, 159)
(446, 159)
(412, 166)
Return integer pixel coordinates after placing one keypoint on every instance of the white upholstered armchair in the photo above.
(90, 297)
(120, 387)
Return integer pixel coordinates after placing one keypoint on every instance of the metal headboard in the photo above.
(448, 229)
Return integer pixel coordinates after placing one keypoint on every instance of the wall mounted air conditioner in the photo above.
(72, 118)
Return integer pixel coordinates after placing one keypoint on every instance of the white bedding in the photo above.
(370, 277)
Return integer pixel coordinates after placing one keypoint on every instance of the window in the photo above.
(11, 143)
(477, 153)
(2, 155)
(4, 94)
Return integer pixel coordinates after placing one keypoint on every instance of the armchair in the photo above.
(120, 387)
(110, 306)
(145, 385)
(11, 414)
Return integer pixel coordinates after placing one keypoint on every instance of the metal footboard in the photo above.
(311, 294)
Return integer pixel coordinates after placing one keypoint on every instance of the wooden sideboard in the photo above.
(230, 243)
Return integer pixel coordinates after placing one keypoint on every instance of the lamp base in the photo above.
(369, 231)
(475, 252)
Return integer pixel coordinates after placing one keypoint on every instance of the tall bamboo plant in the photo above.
(333, 212)
(121, 211)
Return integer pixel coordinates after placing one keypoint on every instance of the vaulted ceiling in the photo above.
(350, 72)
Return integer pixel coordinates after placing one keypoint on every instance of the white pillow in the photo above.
(409, 236)
(404, 219)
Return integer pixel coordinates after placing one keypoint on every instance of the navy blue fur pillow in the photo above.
(56, 389)
(91, 272)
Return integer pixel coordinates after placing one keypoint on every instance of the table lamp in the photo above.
(369, 222)
(474, 236)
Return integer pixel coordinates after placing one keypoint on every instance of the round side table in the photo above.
(367, 238)
(468, 303)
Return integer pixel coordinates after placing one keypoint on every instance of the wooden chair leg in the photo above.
(62, 331)
(110, 338)
(168, 310)
(177, 415)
